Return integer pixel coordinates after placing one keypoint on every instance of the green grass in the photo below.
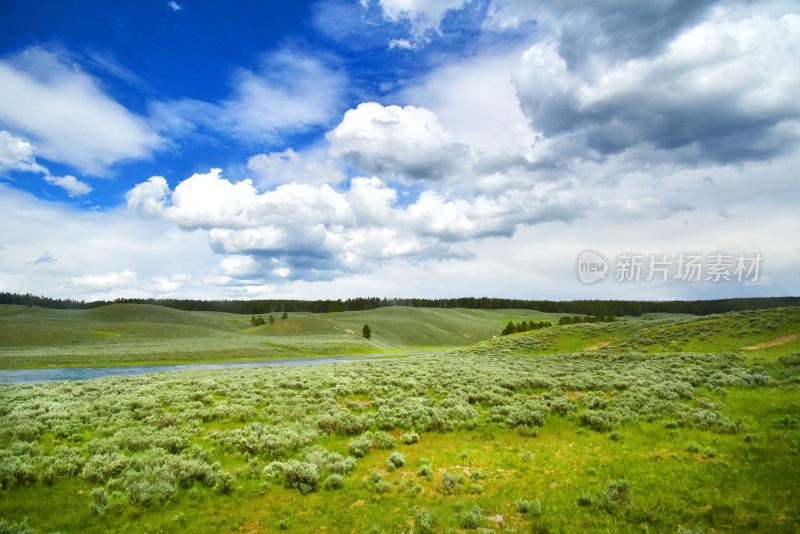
(730, 332)
(745, 487)
(129, 334)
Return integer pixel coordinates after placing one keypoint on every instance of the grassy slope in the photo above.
(137, 333)
(730, 332)
(745, 481)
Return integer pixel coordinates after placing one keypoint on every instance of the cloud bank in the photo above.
(302, 231)
(720, 91)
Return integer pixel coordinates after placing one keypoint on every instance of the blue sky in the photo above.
(437, 148)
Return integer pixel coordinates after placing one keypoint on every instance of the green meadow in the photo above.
(660, 423)
(126, 334)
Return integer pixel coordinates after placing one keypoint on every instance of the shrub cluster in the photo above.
(471, 518)
(294, 473)
(360, 446)
(330, 461)
(617, 495)
(451, 483)
(534, 507)
(395, 460)
(409, 437)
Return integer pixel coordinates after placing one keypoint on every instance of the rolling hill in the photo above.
(758, 335)
(119, 334)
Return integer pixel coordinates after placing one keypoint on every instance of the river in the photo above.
(31, 376)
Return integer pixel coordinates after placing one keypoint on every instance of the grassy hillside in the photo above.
(762, 335)
(137, 333)
(133, 333)
(498, 437)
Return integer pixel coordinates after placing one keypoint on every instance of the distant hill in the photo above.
(760, 335)
(125, 333)
(585, 307)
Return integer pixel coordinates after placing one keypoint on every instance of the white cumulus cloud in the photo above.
(287, 166)
(475, 101)
(17, 153)
(396, 141)
(315, 232)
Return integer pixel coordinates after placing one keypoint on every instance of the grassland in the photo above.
(509, 435)
(739, 332)
(125, 334)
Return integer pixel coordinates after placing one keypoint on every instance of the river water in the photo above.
(30, 376)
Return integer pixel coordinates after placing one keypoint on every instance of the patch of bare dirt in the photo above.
(774, 343)
(598, 345)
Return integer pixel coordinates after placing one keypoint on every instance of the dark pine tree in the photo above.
(509, 329)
